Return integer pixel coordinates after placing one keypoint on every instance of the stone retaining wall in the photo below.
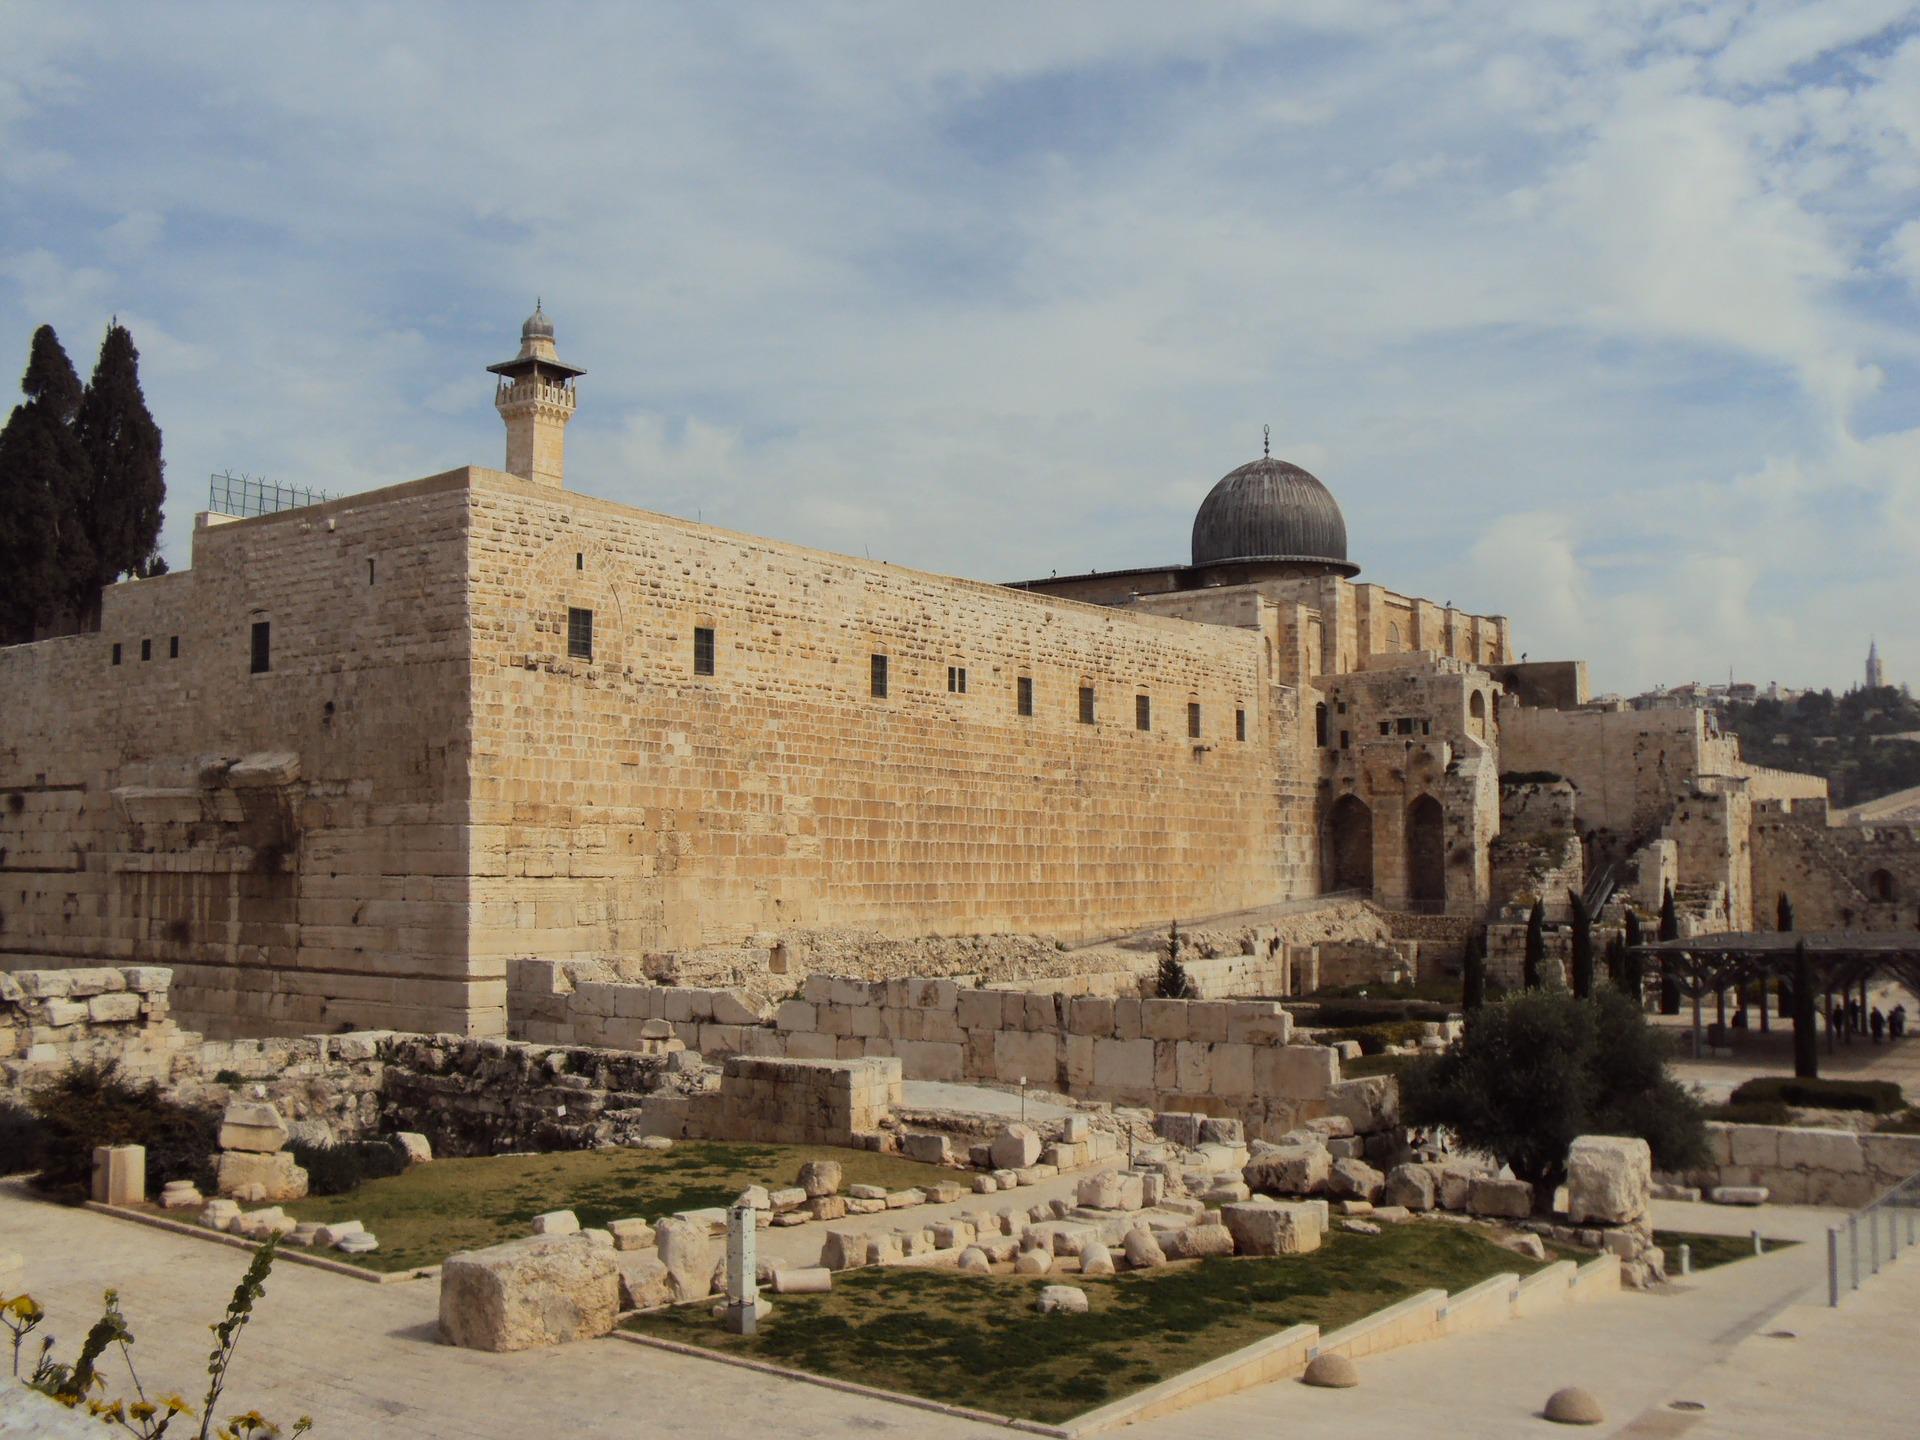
(803, 1102)
(1807, 1167)
(52, 1018)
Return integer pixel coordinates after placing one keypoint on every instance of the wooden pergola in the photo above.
(1840, 962)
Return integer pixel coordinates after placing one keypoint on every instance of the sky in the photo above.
(1604, 317)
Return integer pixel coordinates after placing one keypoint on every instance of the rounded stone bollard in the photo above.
(1331, 1372)
(1571, 1405)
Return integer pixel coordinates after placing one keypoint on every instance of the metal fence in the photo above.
(243, 495)
(1873, 1236)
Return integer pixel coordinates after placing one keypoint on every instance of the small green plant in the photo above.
(149, 1417)
(1173, 982)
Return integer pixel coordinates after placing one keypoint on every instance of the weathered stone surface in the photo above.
(1197, 1242)
(1062, 1300)
(1508, 1199)
(687, 1250)
(1033, 1261)
(1272, 1229)
(1574, 1406)
(1609, 1179)
(929, 1149)
(1354, 1180)
(645, 1283)
(1331, 1372)
(275, 1175)
(415, 1146)
(974, 1261)
(845, 1249)
(1290, 1170)
(546, 1290)
(254, 1126)
(1095, 1258)
(631, 1234)
(820, 1177)
(1016, 1148)
(556, 1222)
(120, 1174)
(1409, 1186)
(1529, 1245)
(1143, 1249)
(1738, 1195)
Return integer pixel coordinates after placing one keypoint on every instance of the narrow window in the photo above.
(262, 647)
(580, 634)
(957, 679)
(1086, 704)
(877, 678)
(116, 653)
(1239, 724)
(579, 560)
(1023, 695)
(1346, 740)
(173, 648)
(702, 650)
(1319, 724)
(1386, 727)
(1193, 719)
(1142, 713)
(369, 570)
(146, 649)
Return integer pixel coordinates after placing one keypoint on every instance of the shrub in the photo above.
(93, 1105)
(345, 1167)
(1173, 982)
(1879, 1097)
(228, 1077)
(1538, 1070)
(1347, 1013)
(23, 1139)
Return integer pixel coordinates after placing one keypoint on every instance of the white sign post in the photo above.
(743, 1281)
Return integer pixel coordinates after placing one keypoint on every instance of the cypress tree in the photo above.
(1536, 950)
(1173, 982)
(43, 487)
(1473, 973)
(1669, 930)
(122, 445)
(1582, 948)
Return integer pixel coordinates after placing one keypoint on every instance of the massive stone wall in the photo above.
(1840, 877)
(1807, 1167)
(627, 802)
(290, 842)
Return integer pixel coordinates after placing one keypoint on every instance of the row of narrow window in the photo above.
(146, 649)
(879, 680)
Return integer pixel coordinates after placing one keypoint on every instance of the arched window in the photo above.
(1477, 713)
(1426, 856)
(1393, 633)
(1347, 846)
(1880, 886)
(1320, 737)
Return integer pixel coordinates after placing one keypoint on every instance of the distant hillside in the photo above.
(1860, 741)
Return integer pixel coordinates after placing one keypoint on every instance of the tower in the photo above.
(1875, 679)
(535, 398)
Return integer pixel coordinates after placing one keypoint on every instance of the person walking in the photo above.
(1878, 1023)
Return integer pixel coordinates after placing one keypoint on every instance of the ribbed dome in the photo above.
(537, 326)
(1269, 510)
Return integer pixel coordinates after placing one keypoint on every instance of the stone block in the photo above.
(415, 1146)
(1143, 1249)
(1181, 1127)
(1354, 1180)
(113, 1009)
(1219, 1130)
(686, 1248)
(791, 1197)
(820, 1177)
(61, 1013)
(253, 1126)
(802, 1280)
(1738, 1195)
(631, 1234)
(1028, 1054)
(1503, 1199)
(1061, 1300)
(276, 1176)
(556, 1222)
(1836, 1150)
(1609, 1179)
(1017, 1147)
(1290, 1170)
(1032, 1262)
(1408, 1186)
(1295, 1072)
(1164, 1019)
(645, 1283)
(120, 1174)
(827, 1207)
(1265, 1229)
(1197, 1242)
(1124, 1065)
(527, 1293)
(928, 1149)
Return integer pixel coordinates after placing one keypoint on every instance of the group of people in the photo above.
(1850, 1018)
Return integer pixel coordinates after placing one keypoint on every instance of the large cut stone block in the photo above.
(1506, 1199)
(1290, 1170)
(1609, 1179)
(120, 1174)
(1265, 1229)
(1016, 1148)
(540, 1291)
(685, 1247)
(252, 1125)
(276, 1175)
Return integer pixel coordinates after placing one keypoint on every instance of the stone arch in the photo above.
(1426, 855)
(1347, 850)
(1880, 885)
(1477, 714)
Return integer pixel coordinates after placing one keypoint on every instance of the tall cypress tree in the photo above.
(1536, 951)
(129, 478)
(1669, 930)
(44, 483)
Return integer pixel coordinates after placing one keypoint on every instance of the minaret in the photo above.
(535, 397)
(1874, 678)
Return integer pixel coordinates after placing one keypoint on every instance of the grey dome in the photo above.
(1269, 510)
(537, 326)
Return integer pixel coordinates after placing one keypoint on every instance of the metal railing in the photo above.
(1874, 1235)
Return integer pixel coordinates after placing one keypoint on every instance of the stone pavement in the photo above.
(365, 1359)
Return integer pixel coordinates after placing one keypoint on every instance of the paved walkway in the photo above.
(366, 1360)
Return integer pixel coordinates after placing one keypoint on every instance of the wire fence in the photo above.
(244, 495)
(1873, 1237)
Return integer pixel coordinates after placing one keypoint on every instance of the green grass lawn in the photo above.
(1707, 1251)
(977, 1340)
(425, 1215)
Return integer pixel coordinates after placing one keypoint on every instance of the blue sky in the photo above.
(1601, 316)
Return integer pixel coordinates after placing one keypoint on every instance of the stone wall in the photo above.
(1841, 877)
(1807, 1167)
(803, 1102)
(291, 841)
(50, 1019)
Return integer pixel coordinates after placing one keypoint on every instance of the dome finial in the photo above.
(1266, 441)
